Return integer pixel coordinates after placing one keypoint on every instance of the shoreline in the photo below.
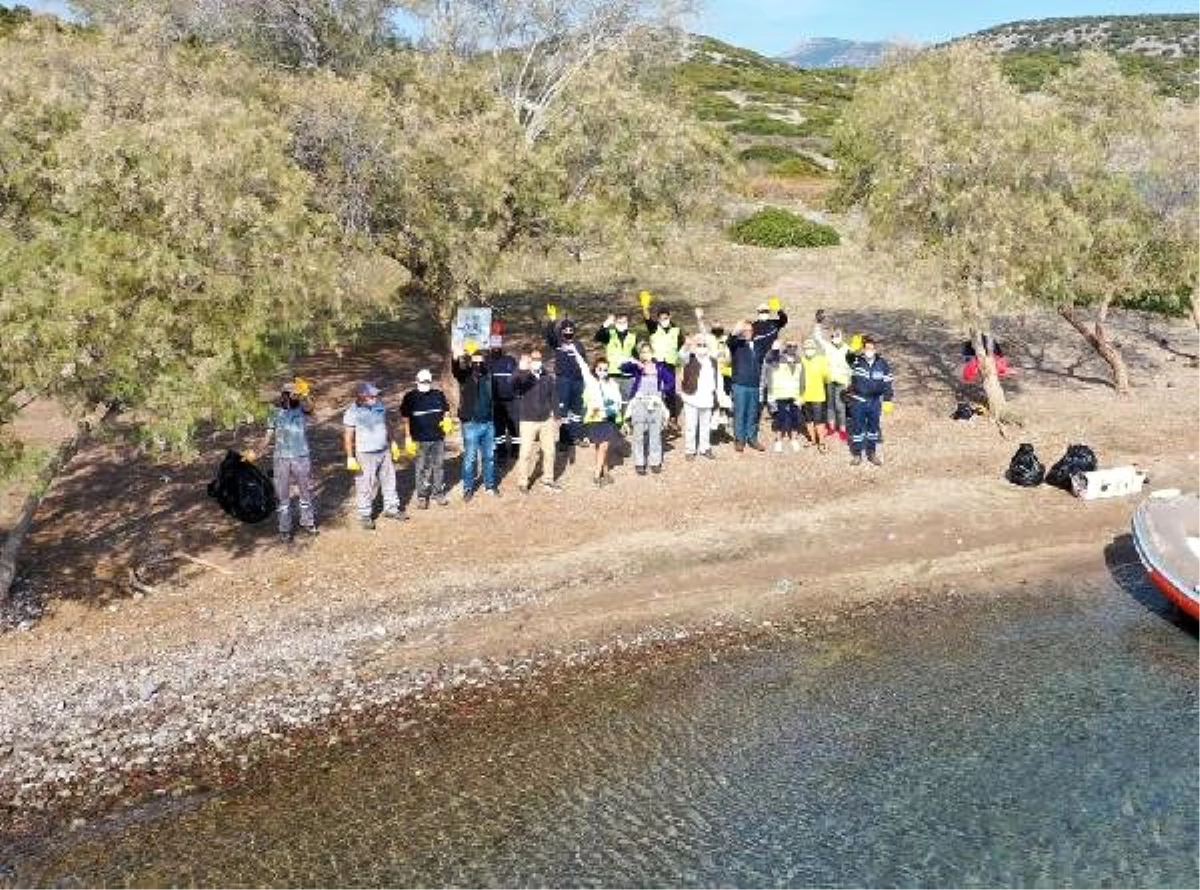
(265, 732)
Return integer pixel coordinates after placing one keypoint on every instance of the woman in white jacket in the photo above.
(698, 387)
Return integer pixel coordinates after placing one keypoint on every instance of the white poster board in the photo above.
(471, 323)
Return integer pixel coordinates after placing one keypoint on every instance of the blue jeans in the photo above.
(479, 437)
(745, 412)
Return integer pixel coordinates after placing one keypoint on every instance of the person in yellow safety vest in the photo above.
(785, 383)
(620, 346)
(812, 400)
(837, 353)
(665, 340)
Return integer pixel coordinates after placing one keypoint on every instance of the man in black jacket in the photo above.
(568, 354)
(475, 412)
(536, 396)
(502, 367)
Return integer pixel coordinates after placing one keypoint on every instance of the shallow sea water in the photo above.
(1048, 738)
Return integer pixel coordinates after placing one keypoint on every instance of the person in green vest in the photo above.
(665, 339)
(620, 346)
(785, 383)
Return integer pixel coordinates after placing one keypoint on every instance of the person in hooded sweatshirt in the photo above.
(569, 381)
(536, 396)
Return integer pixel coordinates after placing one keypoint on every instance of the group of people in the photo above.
(640, 388)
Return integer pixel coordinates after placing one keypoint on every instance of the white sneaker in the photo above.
(795, 444)
(778, 445)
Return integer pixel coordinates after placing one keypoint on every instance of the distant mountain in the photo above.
(833, 52)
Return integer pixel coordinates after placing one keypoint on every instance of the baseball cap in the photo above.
(763, 307)
(289, 389)
(366, 389)
(424, 376)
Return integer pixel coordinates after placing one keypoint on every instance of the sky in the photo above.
(773, 27)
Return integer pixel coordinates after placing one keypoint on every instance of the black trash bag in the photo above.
(242, 489)
(1078, 459)
(1025, 469)
(963, 411)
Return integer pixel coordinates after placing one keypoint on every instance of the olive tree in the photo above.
(937, 148)
(159, 253)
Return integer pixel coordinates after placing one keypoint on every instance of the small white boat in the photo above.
(1166, 533)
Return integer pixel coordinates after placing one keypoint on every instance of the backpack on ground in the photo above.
(1025, 469)
(242, 489)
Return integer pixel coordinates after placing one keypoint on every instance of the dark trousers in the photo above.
(569, 395)
(864, 426)
(508, 433)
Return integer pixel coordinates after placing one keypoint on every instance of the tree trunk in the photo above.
(997, 402)
(1097, 338)
(41, 486)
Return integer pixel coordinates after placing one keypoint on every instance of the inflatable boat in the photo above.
(1166, 533)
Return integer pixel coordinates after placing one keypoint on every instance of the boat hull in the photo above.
(1161, 528)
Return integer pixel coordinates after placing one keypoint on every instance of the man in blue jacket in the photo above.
(749, 345)
(870, 393)
(568, 378)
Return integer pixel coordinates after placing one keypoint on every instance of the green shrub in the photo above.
(775, 227)
(761, 125)
(799, 166)
(768, 154)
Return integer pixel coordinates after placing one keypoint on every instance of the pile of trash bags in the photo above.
(1025, 469)
(243, 490)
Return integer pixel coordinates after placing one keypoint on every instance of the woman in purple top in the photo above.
(653, 384)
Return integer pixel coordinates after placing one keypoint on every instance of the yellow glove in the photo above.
(856, 343)
(551, 311)
(470, 347)
(645, 299)
(303, 387)
(773, 304)
(395, 452)
(446, 425)
(410, 448)
(353, 465)
(249, 456)
(887, 407)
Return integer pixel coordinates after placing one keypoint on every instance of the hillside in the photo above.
(779, 116)
(1161, 48)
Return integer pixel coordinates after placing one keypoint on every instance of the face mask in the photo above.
(647, 359)
(836, 340)
(701, 351)
(535, 366)
(622, 327)
(809, 353)
(601, 373)
(664, 323)
(868, 354)
(790, 359)
(424, 387)
(762, 316)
